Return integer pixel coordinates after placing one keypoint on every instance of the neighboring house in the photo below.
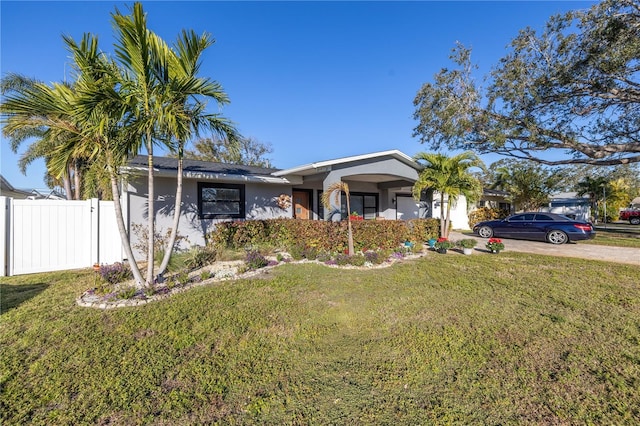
(495, 199)
(7, 190)
(571, 205)
(380, 186)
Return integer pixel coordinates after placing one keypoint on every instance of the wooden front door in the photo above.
(301, 205)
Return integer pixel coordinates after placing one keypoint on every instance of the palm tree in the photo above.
(449, 176)
(593, 187)
(32, 109)
(144, 58)
(336, 189)
(185, 111)
(101, 111)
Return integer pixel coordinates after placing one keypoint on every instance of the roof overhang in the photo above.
(326, 166)
(230, 177)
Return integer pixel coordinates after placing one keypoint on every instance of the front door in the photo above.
(301, 205)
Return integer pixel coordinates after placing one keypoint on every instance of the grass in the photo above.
(615, 235)
(481, 339)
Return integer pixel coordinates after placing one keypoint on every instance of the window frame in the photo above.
(241, 200)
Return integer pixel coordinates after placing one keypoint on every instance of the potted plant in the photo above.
(495, 245)
(442, 245)
(355, 216)
(467, 245)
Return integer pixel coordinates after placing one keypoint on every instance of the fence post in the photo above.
(94, 204)
(5, 252)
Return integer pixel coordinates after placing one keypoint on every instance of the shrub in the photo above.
(198, 257)
(357, 259)
(297, 251)
(115, 273)
(342, 259)
(127, 293)
(376, 257)
(486, 213)
(255, 260)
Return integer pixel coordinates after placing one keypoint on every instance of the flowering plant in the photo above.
(495, 244)
(443, 243)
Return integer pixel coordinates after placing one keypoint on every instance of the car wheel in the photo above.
(557, 237)
(634, 221)
(485, 232)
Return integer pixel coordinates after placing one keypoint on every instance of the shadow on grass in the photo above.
(11, 296)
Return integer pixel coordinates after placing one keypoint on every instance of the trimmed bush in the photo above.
(320, 236)
(486, 213)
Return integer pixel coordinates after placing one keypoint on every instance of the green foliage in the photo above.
(514, 339)
(529, 184)
(127, 293)
(467, 243)
(300, 236)
(198, 257)
(357, 259)
(223, 150)
(159, 242)
(115, 273)
(254, 260)
(570, 89)
(450, 176)
(486, 213)
(444, 244)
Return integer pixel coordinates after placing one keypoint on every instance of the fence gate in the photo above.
(55, 235)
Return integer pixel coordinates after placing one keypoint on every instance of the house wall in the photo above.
(459, 213)
(389, 166)
(260, 203)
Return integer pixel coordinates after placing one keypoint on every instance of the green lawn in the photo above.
(447, 339)
(616, 235)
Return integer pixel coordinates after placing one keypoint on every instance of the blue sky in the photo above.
(315, 80)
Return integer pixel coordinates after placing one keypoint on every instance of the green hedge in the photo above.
(321, 235)
(486, 213)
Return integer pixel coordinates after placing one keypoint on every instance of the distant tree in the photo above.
(529, 185)
(245, 151)
(572, 89)
(450, 176)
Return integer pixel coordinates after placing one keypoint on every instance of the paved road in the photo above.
(585, 251)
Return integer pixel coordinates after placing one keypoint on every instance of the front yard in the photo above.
(483, 339)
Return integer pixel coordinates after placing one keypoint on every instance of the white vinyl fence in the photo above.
(55, 235)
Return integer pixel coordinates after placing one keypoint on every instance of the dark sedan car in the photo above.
(550, 227)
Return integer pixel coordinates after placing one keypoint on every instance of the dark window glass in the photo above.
(220, 200)
(366, 205)
(543, 217)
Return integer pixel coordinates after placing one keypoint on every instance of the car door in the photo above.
(542, 223)
(518, 226)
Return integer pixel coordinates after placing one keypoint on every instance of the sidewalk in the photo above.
(626, 255)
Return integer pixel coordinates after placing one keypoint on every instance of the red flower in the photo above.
(441, 239)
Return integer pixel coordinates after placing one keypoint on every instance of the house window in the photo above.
(366, 205)
(220, 201)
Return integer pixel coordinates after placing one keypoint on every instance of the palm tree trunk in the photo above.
(124, 237)
(350, 231)
(77, 181)
(151, 212)
(447, 220)
(176, 221)
(66, 182)
(442, 219)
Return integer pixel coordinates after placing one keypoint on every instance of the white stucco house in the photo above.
(380, 186)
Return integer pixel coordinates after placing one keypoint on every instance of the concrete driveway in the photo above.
(584, 251)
